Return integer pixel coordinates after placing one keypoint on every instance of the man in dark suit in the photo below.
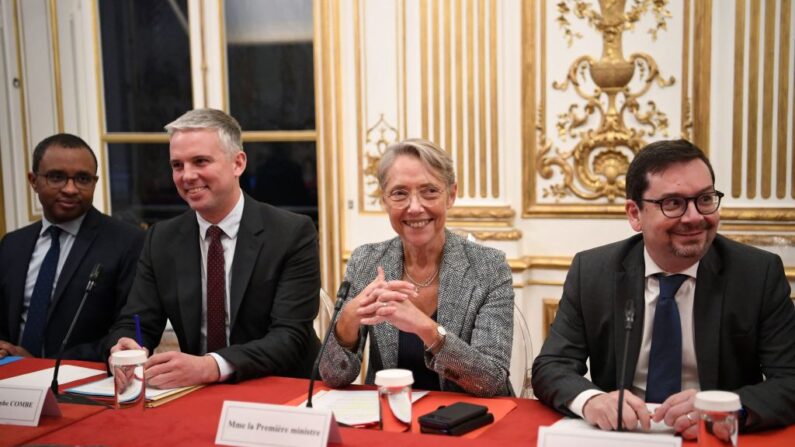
(43, 277)
(238, 279)
(729, 326)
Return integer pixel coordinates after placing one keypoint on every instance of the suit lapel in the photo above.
(453, 289)
(707, 310)
(250, 239)
(186, 256)
(19, 274)
(630, 285)
(85, 237)
(386, 335)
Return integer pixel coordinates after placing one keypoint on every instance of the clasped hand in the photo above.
(381, 301)
(677, 412)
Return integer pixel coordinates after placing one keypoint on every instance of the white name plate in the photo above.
(557, 437)
(251, 424)
(24, 405)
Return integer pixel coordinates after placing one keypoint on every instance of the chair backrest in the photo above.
(323, 315)
(521, 356)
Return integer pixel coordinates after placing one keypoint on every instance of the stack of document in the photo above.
(154, 396)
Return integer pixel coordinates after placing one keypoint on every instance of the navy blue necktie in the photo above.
(33, 337)
(665, 357)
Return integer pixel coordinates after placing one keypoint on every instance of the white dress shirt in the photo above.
(66, 240)
(684, 301)
(230, 226)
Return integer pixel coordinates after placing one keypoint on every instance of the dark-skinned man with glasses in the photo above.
(45, 266)
(710, 313)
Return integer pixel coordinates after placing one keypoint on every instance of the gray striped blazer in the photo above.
(475, 306)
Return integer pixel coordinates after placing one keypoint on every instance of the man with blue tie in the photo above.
(710, 313)
(45, 266)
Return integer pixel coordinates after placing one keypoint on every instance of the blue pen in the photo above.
(138, 337)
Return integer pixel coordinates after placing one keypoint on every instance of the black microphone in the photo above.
(629, 319)
(92, 280)
(342, 295)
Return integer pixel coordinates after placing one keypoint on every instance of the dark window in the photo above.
(143, 192)
(146, 63)
(270, 63)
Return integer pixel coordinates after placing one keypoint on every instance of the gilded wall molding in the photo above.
(783, 215)
(56, 65)
(761, 110)
(482, 213)
(587, 179)
(100, 96)
(550, 309)
(594, 168)
(377, 138)
(763, 240)
(481, 235)
(23, 114)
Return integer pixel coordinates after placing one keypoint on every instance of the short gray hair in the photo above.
(228, 128)
(431, 155)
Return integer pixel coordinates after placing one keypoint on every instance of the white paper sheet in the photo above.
(43, 378)
(353, 407)
(105, 388)
(579, 424)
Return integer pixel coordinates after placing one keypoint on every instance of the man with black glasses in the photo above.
(44, 267)
(710, 313)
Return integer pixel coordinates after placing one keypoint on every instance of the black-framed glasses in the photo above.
(706, 203)
(401, 198)
(57, 179)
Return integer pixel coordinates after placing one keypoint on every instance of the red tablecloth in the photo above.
(193, 420)
(14, 434)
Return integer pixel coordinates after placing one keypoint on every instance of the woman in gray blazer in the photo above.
(429, 300)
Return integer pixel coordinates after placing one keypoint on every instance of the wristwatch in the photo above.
(440, 341)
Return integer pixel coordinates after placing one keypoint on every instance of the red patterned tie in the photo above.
(216, 280)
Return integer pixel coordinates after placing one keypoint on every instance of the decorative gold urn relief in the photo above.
(595, 167)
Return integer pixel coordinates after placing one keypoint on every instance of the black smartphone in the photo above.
(462, 428)
(455, 419)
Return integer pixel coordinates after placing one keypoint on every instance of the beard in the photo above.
(693, 248)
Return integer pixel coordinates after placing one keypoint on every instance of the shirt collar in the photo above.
(230, 224)
(652, 268)
(71, 227)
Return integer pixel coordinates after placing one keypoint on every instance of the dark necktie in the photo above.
(665, 357)
(216, 290)
(33, 337)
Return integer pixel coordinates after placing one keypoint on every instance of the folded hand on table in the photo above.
(602, 411)
(677, 412)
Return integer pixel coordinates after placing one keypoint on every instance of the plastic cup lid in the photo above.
(129, 357)
(717, 401)
(394, 377)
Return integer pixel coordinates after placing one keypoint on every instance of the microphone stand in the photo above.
(342, 295)
(629, 318)
(74, 398)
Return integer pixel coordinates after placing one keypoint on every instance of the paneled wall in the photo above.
(542, 106)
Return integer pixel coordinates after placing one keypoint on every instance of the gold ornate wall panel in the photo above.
(430, 68)
(600, 80)
(763, 115)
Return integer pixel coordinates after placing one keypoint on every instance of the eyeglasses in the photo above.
(57, 179)
(401, 198)
(674, 207)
